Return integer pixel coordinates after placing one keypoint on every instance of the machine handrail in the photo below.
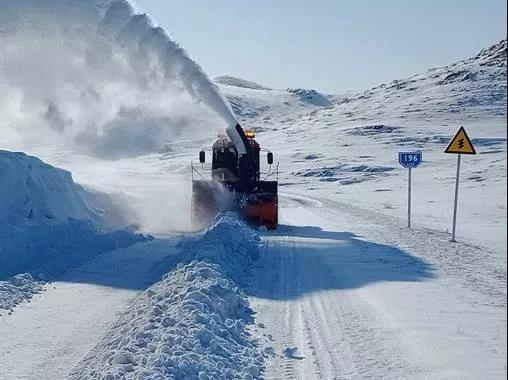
(271, 172)
(197, 171)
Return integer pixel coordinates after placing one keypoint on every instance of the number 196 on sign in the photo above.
(410, 159)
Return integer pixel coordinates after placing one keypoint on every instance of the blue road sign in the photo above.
(410, 159)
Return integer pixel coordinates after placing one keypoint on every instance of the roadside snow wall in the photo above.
(191, 324)
(45, 225)
(18, 289)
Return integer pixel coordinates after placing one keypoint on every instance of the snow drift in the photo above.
(192, 324)
(35, 193)
(105, 79)
(45, 224)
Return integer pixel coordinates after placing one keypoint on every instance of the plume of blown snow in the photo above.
(101, 77)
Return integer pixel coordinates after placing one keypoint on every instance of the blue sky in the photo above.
(328, 45)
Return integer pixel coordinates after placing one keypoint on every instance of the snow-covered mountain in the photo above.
(474, 88)
(255, 102)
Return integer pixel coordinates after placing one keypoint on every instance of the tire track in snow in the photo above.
(379, 301)
(326, 363)
(460, 260)
(286, 325)
(335, 333)
(362, 350)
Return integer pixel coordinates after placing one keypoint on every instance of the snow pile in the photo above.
(231, 244)
(35, 193)
(106, 80)
(52, 249)
(18, 289)
(190, 325)
(45, 225)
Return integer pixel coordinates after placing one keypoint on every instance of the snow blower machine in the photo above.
(233, 181)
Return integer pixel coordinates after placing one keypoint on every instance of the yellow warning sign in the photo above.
(460, 143)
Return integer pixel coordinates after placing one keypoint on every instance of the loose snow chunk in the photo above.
(289, 351)
(124, 358)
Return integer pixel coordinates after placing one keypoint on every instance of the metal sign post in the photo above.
(460, 144)
(410, 160)
(455, 203)
(409, 200)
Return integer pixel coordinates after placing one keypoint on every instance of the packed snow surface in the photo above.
(342, 292)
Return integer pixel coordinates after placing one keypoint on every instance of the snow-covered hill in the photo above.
(474, 88)
(348, 151)
(257, 105)
(470, 89)
(228, 80)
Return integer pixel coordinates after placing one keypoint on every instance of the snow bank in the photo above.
(45, 224)
(18, 289)
(192, 324)
(230, 244)
(35, 193)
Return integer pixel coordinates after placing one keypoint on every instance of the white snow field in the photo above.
(342, 290)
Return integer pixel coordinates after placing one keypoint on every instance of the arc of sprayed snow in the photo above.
(121, 14)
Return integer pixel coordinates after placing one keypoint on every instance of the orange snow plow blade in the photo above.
(261, 206)
(263, 214)
(258, 208)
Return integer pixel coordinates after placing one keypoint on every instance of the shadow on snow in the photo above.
(306, 259)
(311, 260)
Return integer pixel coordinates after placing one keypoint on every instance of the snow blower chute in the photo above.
(235, 182)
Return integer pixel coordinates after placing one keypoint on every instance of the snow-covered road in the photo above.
(339, 293)
(46, 338)
(335, 301)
